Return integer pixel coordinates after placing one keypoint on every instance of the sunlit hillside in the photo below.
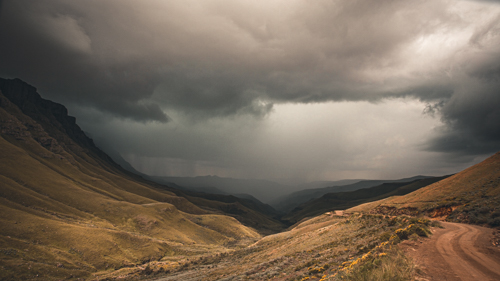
(67, 210)
(326, 247)
(471, 196)
(344, 200)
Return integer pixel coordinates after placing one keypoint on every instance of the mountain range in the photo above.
(69, 211)
(342, 200)
(289, 202)
(470, 196)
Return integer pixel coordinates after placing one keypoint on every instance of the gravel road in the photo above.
(457, 252)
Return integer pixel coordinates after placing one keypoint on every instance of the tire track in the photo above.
(486, 265)
(459, 252)
(462, 269)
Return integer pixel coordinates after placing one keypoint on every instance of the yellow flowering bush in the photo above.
(315, 269)
(373, 258)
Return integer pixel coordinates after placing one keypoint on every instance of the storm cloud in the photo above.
(192, 65)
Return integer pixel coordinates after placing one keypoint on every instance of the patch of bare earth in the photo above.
(456, 252)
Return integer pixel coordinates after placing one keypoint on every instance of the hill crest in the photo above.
(470, 196)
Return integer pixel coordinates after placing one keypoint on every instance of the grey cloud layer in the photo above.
(141, 59)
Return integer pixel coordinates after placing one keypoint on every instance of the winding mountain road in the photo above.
(458, 252)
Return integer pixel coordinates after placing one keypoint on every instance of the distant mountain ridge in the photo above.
(63, 133)
(289, 202)
(282, 197)
(470, 196)
(264, 190)
(347, 199)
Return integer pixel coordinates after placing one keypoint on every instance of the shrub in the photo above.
(392, 266)
(484, 210)
(436, 224)
(481, 220)
(385, 236)
(413, 237)
(494, 221)
(495, 214)
(315, 269)
(420, 231)
(402, 233)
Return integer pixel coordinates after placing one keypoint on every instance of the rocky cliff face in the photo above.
(23, 128)
(54, 129)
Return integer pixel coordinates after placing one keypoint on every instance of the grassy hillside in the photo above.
(345, 200)
(326, 247)
(471, 196)
(249, 212)
(67, 211)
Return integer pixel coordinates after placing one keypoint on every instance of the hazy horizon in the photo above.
(293, 91)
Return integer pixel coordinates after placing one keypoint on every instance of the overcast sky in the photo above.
(285, 89)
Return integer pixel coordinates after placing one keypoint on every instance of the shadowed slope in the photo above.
(67, 210)
(291, 201)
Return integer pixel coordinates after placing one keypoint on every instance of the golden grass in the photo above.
(65, 216)
(323, 248)
(478, 180)
(471, 196)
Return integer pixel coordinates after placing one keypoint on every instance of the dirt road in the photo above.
(457, 252)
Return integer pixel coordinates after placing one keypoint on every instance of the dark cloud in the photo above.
(210, 56)
(471, 114)
(50, 45)
(148, 60)
(471, 120)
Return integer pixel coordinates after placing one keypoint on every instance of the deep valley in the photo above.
(69, 212)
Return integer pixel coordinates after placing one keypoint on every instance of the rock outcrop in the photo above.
(54, 129)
